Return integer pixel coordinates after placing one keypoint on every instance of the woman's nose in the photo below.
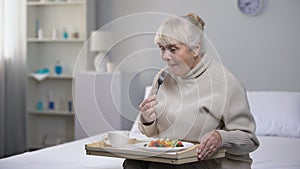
(167, 55)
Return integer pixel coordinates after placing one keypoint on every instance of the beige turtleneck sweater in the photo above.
(207, 98)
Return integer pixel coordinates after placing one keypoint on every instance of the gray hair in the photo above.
(186, 30)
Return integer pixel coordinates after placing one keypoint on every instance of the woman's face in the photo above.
(179, 57)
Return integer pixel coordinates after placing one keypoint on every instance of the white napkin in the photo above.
(39, 77)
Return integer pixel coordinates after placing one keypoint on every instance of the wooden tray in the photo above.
(132, 152)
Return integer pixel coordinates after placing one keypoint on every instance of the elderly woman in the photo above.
(196, 99)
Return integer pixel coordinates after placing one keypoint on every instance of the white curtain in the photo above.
(12, 76)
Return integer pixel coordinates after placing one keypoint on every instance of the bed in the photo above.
(277, 116)
(277, 153)
(278, 127)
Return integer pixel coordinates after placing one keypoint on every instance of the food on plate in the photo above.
(164, 143)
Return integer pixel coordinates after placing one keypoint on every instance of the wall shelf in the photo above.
(69, 19)
(51, 113)
(53, 40)
(50, 3)
(62, 77)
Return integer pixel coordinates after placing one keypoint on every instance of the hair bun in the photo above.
(197, 19)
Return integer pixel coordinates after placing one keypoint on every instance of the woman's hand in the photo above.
(147, 110)
(209, 144)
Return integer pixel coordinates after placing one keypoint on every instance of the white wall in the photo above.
(262, 51)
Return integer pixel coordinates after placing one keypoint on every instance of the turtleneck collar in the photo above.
(199, 68)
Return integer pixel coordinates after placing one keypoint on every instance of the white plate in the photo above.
(164, 149)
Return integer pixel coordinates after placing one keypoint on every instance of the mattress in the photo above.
(273, 153)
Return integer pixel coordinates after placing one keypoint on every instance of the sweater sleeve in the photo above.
(149, 130)
(238, 135)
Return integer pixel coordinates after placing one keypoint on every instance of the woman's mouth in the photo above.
(172, 65)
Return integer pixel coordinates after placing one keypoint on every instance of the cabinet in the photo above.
(102, 102)
(97, 102)
(56, 32)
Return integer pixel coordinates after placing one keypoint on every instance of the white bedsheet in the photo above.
(277, 153)
(274, 153)
(66, 156)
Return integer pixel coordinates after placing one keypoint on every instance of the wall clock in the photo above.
(250, 7)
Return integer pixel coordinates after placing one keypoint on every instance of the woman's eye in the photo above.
(173, 49)
(161, 48)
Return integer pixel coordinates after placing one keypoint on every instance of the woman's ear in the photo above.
(196, 50)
